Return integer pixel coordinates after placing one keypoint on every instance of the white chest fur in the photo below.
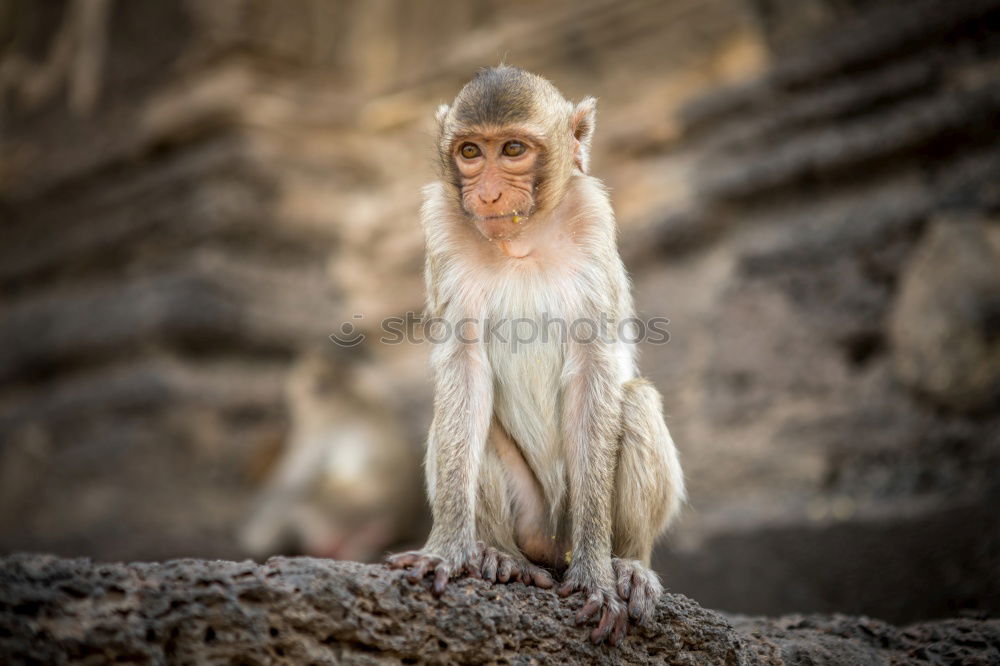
(527, 315)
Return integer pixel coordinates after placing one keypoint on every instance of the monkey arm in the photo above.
(590, 418)
(463, 407)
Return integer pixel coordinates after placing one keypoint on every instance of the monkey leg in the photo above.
(508, 508)
(649, 489)
(509, 515)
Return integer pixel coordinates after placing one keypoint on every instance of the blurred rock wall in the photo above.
(833, 286)
(194, 195)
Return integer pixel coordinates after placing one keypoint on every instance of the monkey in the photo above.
(347, 484)
(552, 458)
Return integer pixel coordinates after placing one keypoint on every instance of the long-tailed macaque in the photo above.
(551, 456)
(346, 486)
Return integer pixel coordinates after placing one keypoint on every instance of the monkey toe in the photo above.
(602, 602)
(441, 576)
(500, 567)
(613, 624)
(531, 574)
(612, 617)
(421, 567)
(490, 564)
(506, 569)
(590, 607)
(418, 564)
(639, 587)
(402, 560)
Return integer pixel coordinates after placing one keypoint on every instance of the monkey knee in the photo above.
(650, 482)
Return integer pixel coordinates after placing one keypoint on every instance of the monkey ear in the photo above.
(582, 122)
(441, 112)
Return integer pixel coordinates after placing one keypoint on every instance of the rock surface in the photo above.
(246, 179)
(301, 610)
(946, 324)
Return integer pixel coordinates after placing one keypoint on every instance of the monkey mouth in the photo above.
(506, 226)
(517, 217)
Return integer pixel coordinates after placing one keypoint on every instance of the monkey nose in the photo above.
(490, 197)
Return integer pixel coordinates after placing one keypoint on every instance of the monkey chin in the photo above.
(501, 228)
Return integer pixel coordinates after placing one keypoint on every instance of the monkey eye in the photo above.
(470, 150)
(514, 148)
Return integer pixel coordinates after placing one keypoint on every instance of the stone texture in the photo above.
(247, 178)
(244, 178)
(945, 326)
(309, 611)
(824, 194)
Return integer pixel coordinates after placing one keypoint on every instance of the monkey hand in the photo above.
(443, 567)
(602, 600)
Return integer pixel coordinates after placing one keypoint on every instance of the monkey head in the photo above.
(508, 145)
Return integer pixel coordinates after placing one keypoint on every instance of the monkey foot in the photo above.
(483, 561)
(603, 603)
(639, 586)
(500, 567)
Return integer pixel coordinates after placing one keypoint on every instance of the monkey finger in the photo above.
(590, 608)
(441, 577)
(566, 589)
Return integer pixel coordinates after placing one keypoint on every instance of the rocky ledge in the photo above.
(309, 611)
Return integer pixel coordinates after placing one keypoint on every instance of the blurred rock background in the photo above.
(195, 194)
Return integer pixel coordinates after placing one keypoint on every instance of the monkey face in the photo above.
(510, 144)
(497, 176)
